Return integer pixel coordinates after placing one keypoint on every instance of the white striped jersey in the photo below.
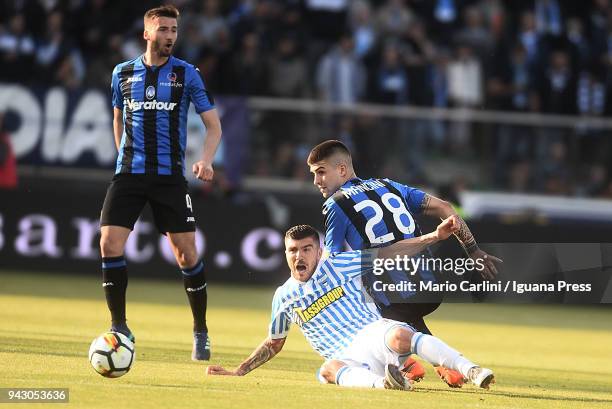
(331, 307)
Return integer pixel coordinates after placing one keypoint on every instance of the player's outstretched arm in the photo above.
(203, 169)
(262, 354)
(415, 245)
(435, 207)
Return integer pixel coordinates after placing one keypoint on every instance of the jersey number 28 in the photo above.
(397, 212)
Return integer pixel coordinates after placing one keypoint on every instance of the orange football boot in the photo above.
(452, 378)
(413, 370)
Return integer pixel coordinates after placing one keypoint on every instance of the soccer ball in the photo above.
(111, 354)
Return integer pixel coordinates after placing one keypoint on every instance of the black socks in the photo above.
(114, 281)
(195, 287)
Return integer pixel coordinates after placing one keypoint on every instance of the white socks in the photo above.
(358, 377)
(436, 352)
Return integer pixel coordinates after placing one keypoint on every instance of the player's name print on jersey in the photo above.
(306, 314)
(366, 186)
(370, 213)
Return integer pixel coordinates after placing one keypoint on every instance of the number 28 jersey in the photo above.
(371, 213)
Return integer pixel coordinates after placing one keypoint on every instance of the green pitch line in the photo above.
(543, 356)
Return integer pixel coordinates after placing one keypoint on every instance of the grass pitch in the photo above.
(543, 356)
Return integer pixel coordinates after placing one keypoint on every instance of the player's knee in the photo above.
(187, 257)
(329, 369)
(399, 339)
(110, 247)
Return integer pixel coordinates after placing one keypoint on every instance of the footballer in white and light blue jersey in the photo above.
(331, 307)
(325, 298)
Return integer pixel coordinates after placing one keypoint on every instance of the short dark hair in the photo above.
(326, 149)
(167, 10)
(302, 231)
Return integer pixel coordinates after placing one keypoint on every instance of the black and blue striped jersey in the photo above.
(373, 213)
(370, 213)
(155, 102)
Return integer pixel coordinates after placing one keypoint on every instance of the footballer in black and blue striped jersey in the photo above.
(375, 213)
(151, 95)
(154, 101)
(356, 213)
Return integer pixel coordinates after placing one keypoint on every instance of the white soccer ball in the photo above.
(111, 354)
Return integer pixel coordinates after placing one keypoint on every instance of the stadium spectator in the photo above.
(91, 31)
(606, 59)
(193, 42)
(418, 55)
(439, 89)
(579, 44)
(494, 15)
(102, 63)
(16, 50)
(529, 38)
(394, 18)
(474, 33)
(210, 22)
(465, 78)
(556, 91)
(598, 23)
(465, 91)
(548, 17)
(508, 89)
(391, 81)
(289, 70)
(51, 48)
(341, 77)
(407, 137)
(248, 72)
(364, 30)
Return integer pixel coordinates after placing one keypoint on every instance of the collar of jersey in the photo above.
(298, 282)
(349, 182)
(150, 67)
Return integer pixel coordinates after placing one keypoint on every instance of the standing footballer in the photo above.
(151, 96)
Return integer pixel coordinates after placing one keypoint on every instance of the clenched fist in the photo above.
(203, 171)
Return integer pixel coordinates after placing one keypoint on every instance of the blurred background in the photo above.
(502, 107)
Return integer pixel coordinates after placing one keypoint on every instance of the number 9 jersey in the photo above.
(370, 213)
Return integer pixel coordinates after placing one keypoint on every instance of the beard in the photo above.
(161, 49)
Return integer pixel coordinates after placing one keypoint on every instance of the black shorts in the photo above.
(168, 197)
(408, 312)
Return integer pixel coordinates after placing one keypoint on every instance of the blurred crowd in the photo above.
(548, 56)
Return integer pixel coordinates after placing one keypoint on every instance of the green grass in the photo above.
(543, 356)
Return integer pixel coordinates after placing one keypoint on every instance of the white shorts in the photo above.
(369, 349)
